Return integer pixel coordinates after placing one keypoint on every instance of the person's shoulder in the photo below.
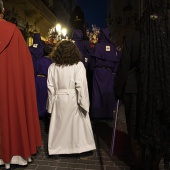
(9, 27)
(80, 64)
(52, 65)
(9, 23)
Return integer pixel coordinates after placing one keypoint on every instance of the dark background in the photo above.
(95, 12)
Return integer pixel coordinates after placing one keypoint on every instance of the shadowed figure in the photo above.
(143, 83)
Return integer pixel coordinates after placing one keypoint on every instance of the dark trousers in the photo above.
(138, 151)
(129, 101)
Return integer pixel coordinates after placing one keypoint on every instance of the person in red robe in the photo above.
(20, 133)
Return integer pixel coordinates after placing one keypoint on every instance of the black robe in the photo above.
(126, 79)
(143, 83)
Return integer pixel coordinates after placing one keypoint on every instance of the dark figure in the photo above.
(77, 19)
(20, 133)
(143, 83)
(104, 61)
(126, 84)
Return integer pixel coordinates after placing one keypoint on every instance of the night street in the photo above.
(101, 159)
(65, 65)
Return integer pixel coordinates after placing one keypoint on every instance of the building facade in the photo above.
(122, 17)
(63, 9)
(38, 15)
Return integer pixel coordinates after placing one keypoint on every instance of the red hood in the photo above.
(7, 29)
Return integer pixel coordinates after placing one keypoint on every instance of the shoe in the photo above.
(135, 168)
(68, 155)
(86, 155)
(12, 167)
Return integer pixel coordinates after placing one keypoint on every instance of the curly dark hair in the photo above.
(66, 53)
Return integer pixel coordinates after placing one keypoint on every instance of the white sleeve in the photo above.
(51, 91)
(82, 88)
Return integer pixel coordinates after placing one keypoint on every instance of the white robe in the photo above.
(68, 102)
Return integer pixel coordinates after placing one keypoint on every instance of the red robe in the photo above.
(19, 124)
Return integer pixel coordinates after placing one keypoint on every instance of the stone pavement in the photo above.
(101, 160)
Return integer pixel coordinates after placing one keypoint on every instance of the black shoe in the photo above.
(69, 155)
(134, 168)
(86, 155)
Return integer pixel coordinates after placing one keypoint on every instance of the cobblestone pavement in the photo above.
(101, 160)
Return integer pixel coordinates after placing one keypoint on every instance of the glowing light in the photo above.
(64, 32)
(58, 27)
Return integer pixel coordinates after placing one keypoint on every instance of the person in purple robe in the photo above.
(41, 69)
(82, 45)
(104, 63)
(36, 49)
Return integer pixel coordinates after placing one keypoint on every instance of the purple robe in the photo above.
(82, 46)
(41, 68)
(104, 62)
(41, 65)
(37, 48)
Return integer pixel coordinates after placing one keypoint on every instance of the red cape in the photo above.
(19, 124)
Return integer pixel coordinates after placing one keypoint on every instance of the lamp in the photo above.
(64, 32)
(57, 32)
(58, 27)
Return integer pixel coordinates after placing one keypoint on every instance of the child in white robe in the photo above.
(70, 130)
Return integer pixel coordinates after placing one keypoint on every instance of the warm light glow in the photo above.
(64, 32)
(57, 33)
(58, 27)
